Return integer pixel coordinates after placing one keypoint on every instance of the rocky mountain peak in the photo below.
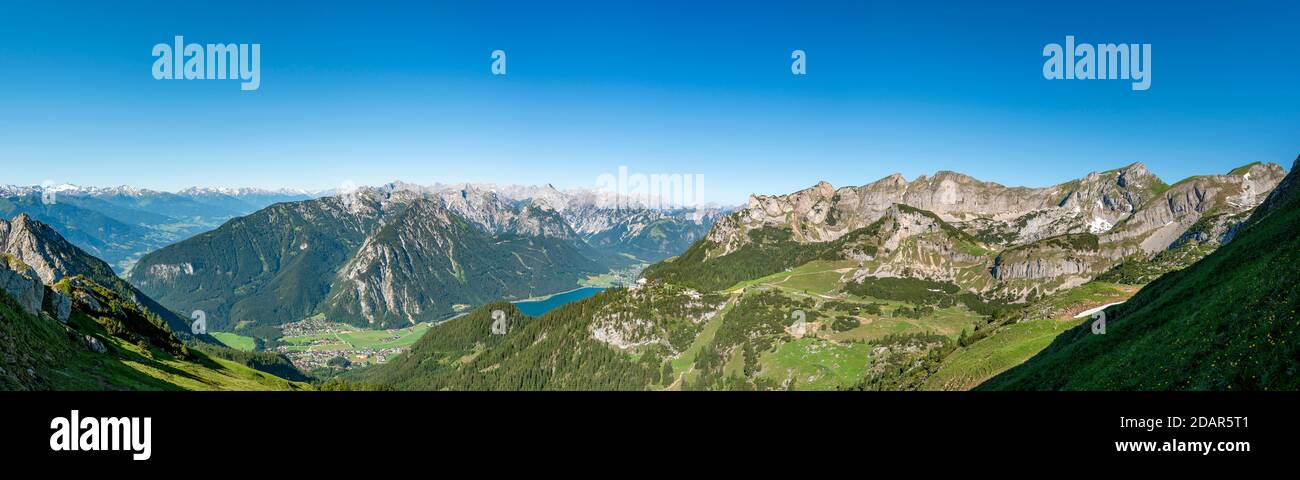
(21, 221)
(21, 282)
(45, 251)
(895, 179)
(1132, 175)
(1285, 189)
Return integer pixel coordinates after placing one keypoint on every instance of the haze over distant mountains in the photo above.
(68, 323)
(119, 224)
(944, 281)
(400, 254)
(940, 282)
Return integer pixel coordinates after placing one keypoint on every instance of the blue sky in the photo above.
(371, 92)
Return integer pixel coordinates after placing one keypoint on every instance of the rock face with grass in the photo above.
(1215, 201)
(399, 254)
(388, 256)
(78, 333)
(872, 288)
(427, 259)
(1030, 240)
(46, 252)
(20, 282)
(1227, 322)
(822, 213)
(53, 258)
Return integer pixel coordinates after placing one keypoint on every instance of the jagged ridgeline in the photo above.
(53, 258)
(106, 342)
(120, 224)
(1227, 322)
(1001, 242)
(402, 254)
(67, 323)
(937, 283)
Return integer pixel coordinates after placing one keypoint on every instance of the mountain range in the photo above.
(1227, 322)
(401, 254)
(994, 240)
(941, 282)
(68, 323)
(120, 224)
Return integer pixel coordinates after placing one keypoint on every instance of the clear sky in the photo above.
(370, 92)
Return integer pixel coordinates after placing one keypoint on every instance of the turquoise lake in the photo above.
(535, 308)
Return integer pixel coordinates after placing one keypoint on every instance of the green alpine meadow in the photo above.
(1117, 280)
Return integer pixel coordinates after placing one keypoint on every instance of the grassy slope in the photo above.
(235, 341)
(58, 361)
(1227, 322)
(551, 352)
(966, 368)
(1011, 345)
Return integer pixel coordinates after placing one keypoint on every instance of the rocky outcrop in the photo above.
(54, 258)
(1284, 189)
(1122, 213)
(88, 302)
(48, 253)
(403, 253)
(1165, 220)
(427, 259)
(93, 344)
(22, 283)
(60, 306)
(1020, 215)
(909, 242)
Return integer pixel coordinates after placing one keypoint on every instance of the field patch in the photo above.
(1012, 345)
(235, 341)
(816, 364)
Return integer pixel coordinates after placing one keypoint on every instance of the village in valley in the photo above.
(315, 343)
